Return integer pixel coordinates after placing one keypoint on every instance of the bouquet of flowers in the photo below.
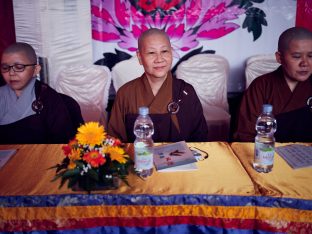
(93, 160)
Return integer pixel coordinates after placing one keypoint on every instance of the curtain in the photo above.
(7, 29)
(304, 14)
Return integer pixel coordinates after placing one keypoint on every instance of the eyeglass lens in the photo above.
(15, 67)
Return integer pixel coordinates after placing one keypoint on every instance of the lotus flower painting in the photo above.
(187, 22)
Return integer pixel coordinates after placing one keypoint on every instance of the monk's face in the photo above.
(18, 80)
(156, 56)
(297, 60)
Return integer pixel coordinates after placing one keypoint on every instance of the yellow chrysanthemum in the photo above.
(117, 154)
(91, 134)
(75, 154)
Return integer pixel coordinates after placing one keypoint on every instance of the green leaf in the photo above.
(244, 3)
(254, 20)
(56, 166)
(79, 164)
(93, 175)
(57, 176)
(124, 179)
(70, 173)
(72, 181)
(258, 1)
(63, 182)
(241, 3)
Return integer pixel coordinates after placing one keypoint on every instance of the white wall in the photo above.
(239, 45)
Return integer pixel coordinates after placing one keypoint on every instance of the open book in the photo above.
(174, 157)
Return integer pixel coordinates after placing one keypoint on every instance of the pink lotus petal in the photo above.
(103, 36)
(216, 33)
(157, 21)
(192, 13)
(232, 13)
(98, 24)
(186, 42)
(137, 16)
(177, 17)
(128, 41)
(121, 13)
(137, 31)
(103, 14)
(173, 31)
(212, 12)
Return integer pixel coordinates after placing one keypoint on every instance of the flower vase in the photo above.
(110, 182)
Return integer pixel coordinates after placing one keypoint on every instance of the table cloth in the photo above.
(282, 181)
(221, 196)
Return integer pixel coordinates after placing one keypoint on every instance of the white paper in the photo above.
(186, 167)
(297, 156)
(5, 155)
(173, 156)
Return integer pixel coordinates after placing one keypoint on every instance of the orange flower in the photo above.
(71, 165)
(75, 154)
(94, 158)
(117, 142)
(117, 154)
(72, 143)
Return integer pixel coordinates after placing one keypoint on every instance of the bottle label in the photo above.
(264, 154)
(143, 156)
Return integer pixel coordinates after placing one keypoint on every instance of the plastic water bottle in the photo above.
(143, 145)
(265, 141)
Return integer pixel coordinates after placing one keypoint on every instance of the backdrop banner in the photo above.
(234, 29)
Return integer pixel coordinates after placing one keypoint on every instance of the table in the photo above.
(223, 195)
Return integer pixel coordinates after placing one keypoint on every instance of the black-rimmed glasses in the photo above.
(15, 67)
(199, 154)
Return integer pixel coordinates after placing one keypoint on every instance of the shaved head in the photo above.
(151, 32)
(295, 33)
(21, 47)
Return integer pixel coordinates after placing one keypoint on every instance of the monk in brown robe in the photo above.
(174, 107)
(288, 89)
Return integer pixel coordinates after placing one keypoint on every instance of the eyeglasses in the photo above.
(199, 154)
(16, 67)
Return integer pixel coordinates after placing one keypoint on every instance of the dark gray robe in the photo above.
(56, 123)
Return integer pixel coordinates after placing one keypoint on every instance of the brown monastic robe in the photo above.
(294, 118)
(188, 124)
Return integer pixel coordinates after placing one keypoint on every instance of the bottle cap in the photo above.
(143, 110)
(266, 108)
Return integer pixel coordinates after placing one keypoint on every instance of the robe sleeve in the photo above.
(116, 124)
(192, 118)
(59, 126)
(250, 109)
(200, 132)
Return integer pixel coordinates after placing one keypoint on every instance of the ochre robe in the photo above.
(294, 117)
(188, 124)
